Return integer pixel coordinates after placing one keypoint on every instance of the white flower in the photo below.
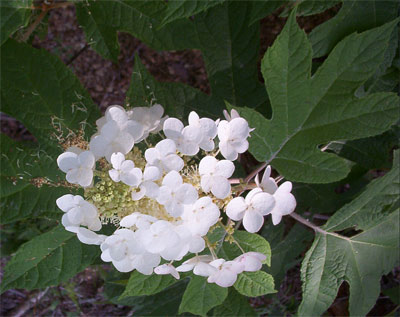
(149, 117)
(214, 176)
(252, 261)
(167, 269)
(120, 116)
(164, 156)
(124, 170)
(140, 221)
(148, 187)
(224, 273)
(159, 237)
(234, 114)
(78, 212)
(111, 139)
(78, 166)
(208, 130)
(87, 236)
(267, 183)
(201, 216)
(252, 209)
(127, 253)
(285, 202)
(187, 139)
(233, 137)
(193, 263)
(174, 194)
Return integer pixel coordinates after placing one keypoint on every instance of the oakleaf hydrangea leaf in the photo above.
(312, 110)
(353, 16)
(201, 296)
(13, 15)
(359, 260)
(50, 95)
(48, 259)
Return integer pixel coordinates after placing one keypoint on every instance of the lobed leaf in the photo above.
(47, 260)
(177, 99)
(42, 93)
(200, 296)
(354, 16)
(230, 51)
(140, 18)
(22, 166)
(309, 111)
(359, 260)
(180, 9)
(14, 14)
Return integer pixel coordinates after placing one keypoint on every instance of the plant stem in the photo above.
(307, 223)
(315, 227)
(33, 26)
(255, 172)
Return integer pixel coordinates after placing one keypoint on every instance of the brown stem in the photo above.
(45, 8)
(255, 172)
(315, 227)
(33, 26)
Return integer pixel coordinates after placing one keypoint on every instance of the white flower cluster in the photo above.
(163, 202)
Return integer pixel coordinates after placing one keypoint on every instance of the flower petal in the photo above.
(86, 159)
(208, 165)
(117, 159)
(225, 168)
(236, 208)
(67, 161)
(172, 128)
(65, 202)
(173, 180)
(221, 187)
(252, 221)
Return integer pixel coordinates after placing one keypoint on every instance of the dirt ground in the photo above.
(107, 83)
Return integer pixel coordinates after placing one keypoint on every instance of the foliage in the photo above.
(323, 126)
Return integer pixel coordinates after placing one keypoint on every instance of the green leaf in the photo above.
(179, 9)
(310, 7)
(164, 303)
(177, 99)
(101, 36)
(26, 161)
(140, 284)
(354, 16)
(41, 90)
(327, 198)
(285, 249)
(372, 205)
(230, 51)
(139, 18)
(372, 152)
(200, 296)
(47, 260)
(360, 260)
(22, 166)
(310, 111)
(234, 305)
(14, 14)
(261, 9)
(29, 202)
(249, 242)
(254, 284)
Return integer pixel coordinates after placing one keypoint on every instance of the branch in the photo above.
(315, 227)
(33, 26)
(255, 172)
